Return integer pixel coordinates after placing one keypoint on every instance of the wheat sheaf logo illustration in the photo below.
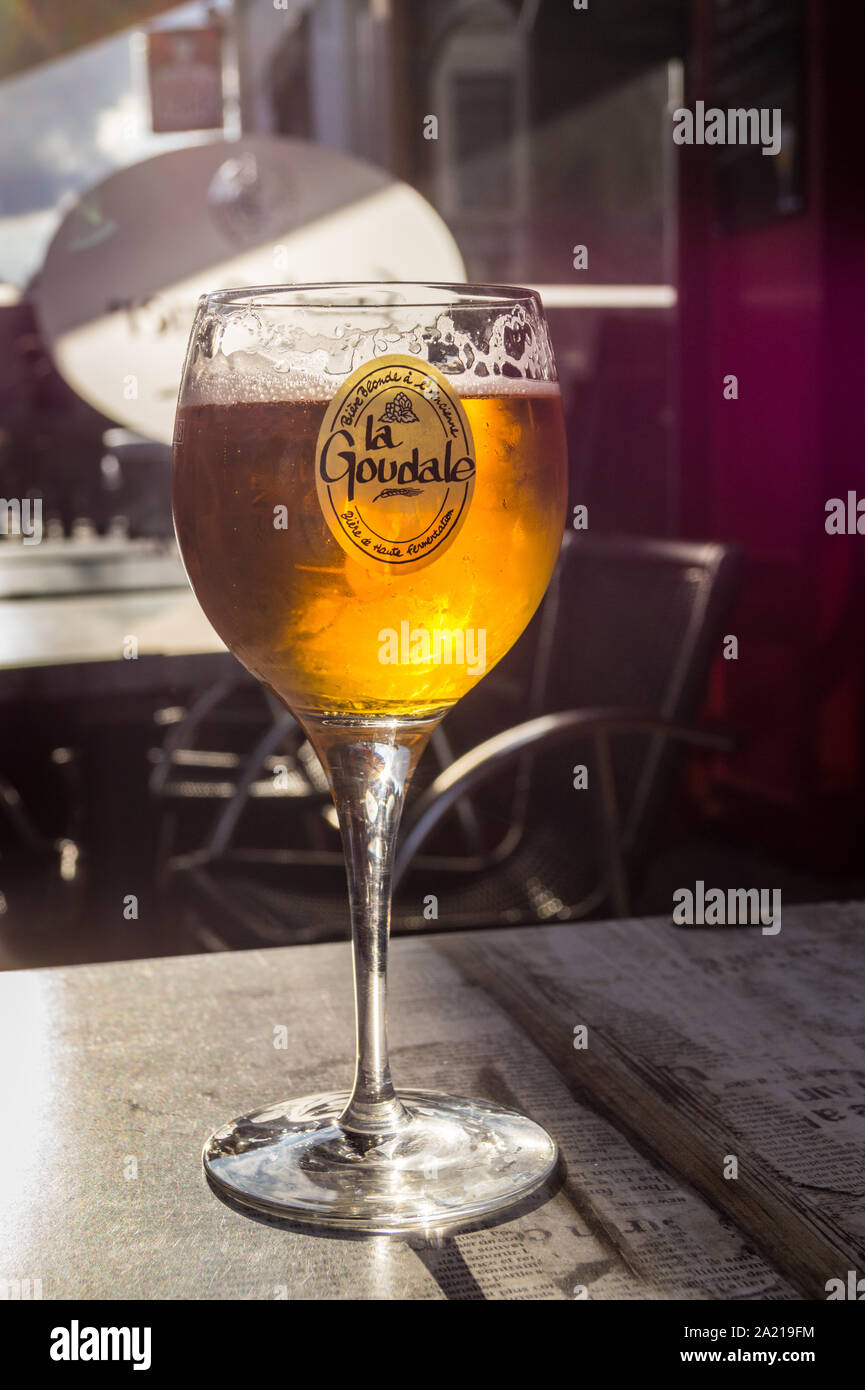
(398, 411)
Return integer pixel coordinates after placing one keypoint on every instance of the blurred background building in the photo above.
(151, 152)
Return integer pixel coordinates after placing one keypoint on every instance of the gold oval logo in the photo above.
(395, 463)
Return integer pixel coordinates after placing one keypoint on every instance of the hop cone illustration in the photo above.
(398, 411)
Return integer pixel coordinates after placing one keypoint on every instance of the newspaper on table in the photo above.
(736, 1058)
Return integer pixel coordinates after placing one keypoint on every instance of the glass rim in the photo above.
(463, 295)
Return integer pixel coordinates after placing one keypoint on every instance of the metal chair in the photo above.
(270, 894)
(190, 780)
(492, 828)
(624, 616)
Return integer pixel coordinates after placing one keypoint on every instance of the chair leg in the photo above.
(617, 875)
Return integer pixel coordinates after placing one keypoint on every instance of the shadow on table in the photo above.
(432, 1240)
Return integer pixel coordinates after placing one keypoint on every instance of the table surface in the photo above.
(96, 627)
(77, 646)
(114, 1075)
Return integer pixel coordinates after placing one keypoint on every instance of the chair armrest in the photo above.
(547, 731)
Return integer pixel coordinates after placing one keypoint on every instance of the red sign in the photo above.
(185, 76)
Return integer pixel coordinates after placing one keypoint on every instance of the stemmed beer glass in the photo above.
(369, 492)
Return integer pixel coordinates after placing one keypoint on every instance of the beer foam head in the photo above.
(253, 353)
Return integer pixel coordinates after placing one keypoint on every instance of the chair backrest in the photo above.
(634, 622)
(628, 622)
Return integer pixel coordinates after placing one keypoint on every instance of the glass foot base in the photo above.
(454, 1160)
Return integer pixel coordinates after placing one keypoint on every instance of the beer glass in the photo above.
(369, 490)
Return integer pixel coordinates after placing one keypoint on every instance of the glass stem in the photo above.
(369, 764)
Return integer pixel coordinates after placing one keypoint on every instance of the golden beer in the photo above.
(331, 630)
